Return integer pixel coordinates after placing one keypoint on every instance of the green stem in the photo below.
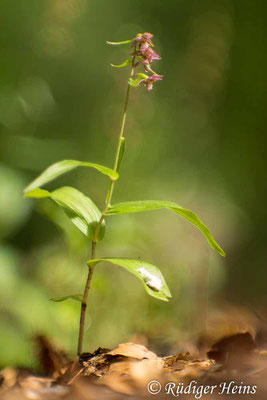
(107, 204)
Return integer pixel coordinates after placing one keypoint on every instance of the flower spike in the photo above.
(144, 55)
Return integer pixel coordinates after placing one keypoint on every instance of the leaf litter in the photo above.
(124, 372)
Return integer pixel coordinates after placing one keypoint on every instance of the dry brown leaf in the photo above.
(132, 350)
(118, 383)
(177, 362)
(85, 389)
(73, 371)
(9, 377)
(234, 350)
(52, 361)
(35, 383)
(146, 370)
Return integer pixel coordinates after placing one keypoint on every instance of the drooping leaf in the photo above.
(149, 274)
(119, 43)
(79, 208)
(138, 206)
(64, 166)
(121, 152)
(141, 75)
(124, 64)
(75, 297)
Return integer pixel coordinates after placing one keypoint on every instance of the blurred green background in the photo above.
(197, 139)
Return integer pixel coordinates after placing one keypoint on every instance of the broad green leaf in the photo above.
(64, 166)
(121, 152)
(149, 274)
(119, 43)
(76, 297)
(79, 208)
(138, 206)
(124, 64)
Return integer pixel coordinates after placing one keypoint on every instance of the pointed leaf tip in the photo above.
(124, 64)
(61, 167)
(149, 274)
(119, 43)
(147, 205)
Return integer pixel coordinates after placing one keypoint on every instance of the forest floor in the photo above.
(233, 366)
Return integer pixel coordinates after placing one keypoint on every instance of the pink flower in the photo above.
(148, 82)
(148, 56)
(143, 39)
(143, 49)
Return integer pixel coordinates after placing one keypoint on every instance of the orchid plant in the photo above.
(87, 217)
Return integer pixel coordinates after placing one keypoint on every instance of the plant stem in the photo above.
(107, 204)
(84, 302)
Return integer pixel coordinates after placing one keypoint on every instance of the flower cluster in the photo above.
(143, 51)
(143, 54)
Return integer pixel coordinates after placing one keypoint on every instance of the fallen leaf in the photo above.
(233, 350)
(132, 350)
